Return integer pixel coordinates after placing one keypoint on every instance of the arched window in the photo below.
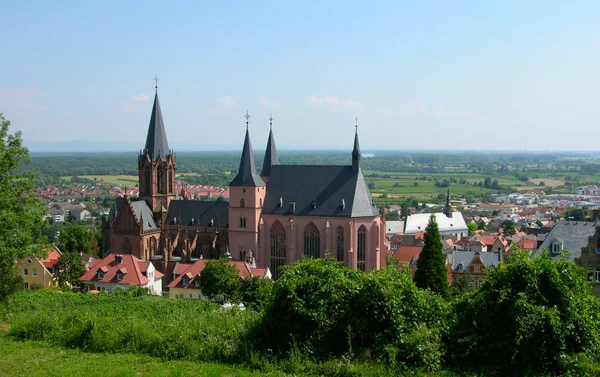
(340, 244)
(152, 247)
(170, 176)
(278, 248)
(241, 222)
(148, 184)
(159, 182)
(260, 203)
(244, 222)
(362, 248)
(312, 241)
(242, 203)
(127, 246)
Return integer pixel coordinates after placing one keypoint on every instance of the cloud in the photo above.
(140, 98)
(20, 98)
(228, 102)
(128, 107)
(438, 110)
(266, 102)
(333, 102)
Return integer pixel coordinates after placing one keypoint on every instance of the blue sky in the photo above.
(433, 75)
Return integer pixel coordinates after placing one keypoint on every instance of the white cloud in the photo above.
(20, 98)
(437, 110)
(267, 102)
(140, 98)
(228, 102)
(333, 102)
(128, 108)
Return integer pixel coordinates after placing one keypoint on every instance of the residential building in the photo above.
(590, 259)
(39, 272)
(570, 236)
(474, 264)
(452, 224)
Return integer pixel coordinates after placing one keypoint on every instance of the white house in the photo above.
(453, 225)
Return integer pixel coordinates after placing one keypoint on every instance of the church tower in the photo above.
(356, 153)
(246, 195)
(271, 157)
(447, 207)
(156, 164)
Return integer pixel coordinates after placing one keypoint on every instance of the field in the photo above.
(119, 180)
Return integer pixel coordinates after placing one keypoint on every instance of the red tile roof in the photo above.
(193, 270)
(528, 244)
(51, 259)
(405, 254)
(132, 268)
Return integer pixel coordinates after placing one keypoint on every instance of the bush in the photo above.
(529, 316)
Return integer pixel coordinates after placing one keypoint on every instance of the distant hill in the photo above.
(75, 146)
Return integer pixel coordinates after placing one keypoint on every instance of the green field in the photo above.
(120, 180)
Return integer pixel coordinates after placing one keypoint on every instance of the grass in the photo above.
(121, 180)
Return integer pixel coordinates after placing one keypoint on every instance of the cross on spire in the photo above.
(247, 116)
(156, 82)
(271, 121)
(356, 124)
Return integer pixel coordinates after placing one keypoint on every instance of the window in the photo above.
(159, 183)
(278, 248)
(185, 281)
(362, 248)
(312, 241)
(242, 203)
(127, 246)
(148, 185)
(28, 260)
(170, 176)
(476, 268)
(151, 275)
(556, 248)
(197, 283)
(242, 222)
(340, 244)
(26, 285)
(119, 276)
(33, 272)
(25, 272)
(597, 276)
(100, 275)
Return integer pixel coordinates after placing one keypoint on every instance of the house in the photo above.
(451, 224)
(37, 272)
(590, 259)
(408, 255)
(122, 271)
(568, 235)
(185, 283)
(474, 264)
(80, 214)
(393, 227)
(56, 215)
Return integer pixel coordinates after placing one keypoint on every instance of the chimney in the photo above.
(118, 259)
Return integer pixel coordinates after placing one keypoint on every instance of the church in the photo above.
(271, 219)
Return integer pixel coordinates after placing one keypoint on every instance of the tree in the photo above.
(462, 284)
(75, 239)
(472, 228)
(21, 211)
(431, 266)
(70, 269)
(509, 228)
(220, 278)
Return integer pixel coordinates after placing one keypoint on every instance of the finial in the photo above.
(356, 125)
(247, 116)
(271, 121)
(156, 82)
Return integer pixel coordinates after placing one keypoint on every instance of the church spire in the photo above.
(447, 207)
(271, 157)
(156, 141)
(356, 151)
(247, 175)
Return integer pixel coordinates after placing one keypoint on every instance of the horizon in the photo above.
(436, 75)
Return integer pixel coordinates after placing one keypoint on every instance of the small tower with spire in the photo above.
(246, 195)
(271, 157)
(157, 163)
(356, 151)
(447, 207)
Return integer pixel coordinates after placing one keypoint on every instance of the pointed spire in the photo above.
(271, 157)
(156, 141)
(246, 175)
(447, 207)
(356, 151)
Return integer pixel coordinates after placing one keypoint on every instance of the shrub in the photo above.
(529, 316)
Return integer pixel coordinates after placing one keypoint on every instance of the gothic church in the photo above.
(270, 220)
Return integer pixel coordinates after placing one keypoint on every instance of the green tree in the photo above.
(472, 228)
(21, 211)
(431, 270)
(509, 228)
(220, 278)
(462, 284)
(75, 239)
(530, 316)
(70, 269)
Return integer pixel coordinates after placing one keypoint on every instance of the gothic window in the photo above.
(152, 247)
(340, 244)
(244, 222)
(242, 203)
(312, 241)
(127, 246)
(170, 176)
(260, 203)
(159, 182)
(362, 248)
(278, 248)
(148, 184)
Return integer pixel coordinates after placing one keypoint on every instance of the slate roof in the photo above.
(141, 210)
(191, 210)
(464, 259)
(156, 141)
(247, 175)
(271, 157)
(394, 227)
(318, 190)
(572, 234)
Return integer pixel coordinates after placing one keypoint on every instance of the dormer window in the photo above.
(100, 275)
(197, 283)
(185, 281)
(556, 247)
(119, 276)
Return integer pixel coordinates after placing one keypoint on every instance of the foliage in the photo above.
(431, 270)
(256, 292)
(472, 228)
(509, 228)
(70, 269)
(21, 212)
(220, 278)
(529, 316)
(577, 214)
(75, 239)
(462, 284)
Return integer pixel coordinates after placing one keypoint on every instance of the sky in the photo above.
(485, 75)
